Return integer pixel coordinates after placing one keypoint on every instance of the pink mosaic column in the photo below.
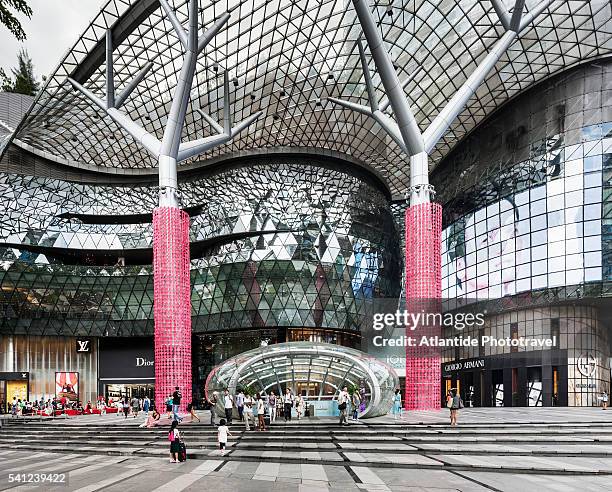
(172, 304)
(423, 292)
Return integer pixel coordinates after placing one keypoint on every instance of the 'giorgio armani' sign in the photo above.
(464, 365)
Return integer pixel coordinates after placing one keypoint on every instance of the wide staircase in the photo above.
(560, 448)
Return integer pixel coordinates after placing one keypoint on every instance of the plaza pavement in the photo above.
(556, 449)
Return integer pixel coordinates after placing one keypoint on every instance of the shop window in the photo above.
(555, 331)
(514, 335)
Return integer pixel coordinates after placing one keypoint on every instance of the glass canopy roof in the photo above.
(285, 57)
(319, 369)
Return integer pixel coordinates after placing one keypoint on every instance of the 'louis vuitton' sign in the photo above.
(83, 345)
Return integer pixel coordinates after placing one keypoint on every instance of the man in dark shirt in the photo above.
(176, 401)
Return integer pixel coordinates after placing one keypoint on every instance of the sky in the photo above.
(53, 29)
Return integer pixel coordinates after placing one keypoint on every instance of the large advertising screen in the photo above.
(543, 237)
(67, 385)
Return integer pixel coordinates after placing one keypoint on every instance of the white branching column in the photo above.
(424, 218)
(171, 261)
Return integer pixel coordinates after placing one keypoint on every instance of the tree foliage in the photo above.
(8, 19)
(24, 81)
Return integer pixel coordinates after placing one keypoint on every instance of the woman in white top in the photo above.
(261, 412)
(174, 437)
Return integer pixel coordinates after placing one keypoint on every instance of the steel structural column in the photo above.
(172, 304)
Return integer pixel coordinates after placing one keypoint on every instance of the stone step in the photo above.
(447, 462)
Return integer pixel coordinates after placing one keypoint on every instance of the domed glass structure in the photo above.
(318, 371)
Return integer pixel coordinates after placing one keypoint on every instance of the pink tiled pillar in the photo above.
(172, 304)
(423, 292)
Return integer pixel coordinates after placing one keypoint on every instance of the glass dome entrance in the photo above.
(317, 371)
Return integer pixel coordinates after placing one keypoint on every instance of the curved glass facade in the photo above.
(318, 371)
(281, 243)
(538, 217)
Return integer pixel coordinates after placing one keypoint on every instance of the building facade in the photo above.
(283, 248)
(527, 237)
(297, 220)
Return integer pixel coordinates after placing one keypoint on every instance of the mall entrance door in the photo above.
(120, 391)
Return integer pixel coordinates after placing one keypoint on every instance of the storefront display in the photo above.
(67, 386)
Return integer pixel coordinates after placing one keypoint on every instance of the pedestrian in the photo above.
(151, 420)
(228, 404)
(248, 412)
(272, 404)
(397, 404)
(261, 412)
(176, 402)
(169, 406)
(343, 399)
(145, 405)
(449, 405)
(222, 433)
(174, 436)
(287, 404)
(240, 404)
(299, 406)
(355, 404)
(14, 407)
(213, 407)
(125, 407)
(191, 410)
(135, 406)
(456, 405)
(604, 400)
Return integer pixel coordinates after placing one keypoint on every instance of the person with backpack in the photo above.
(176, 402)
(174, 436)
(169, 407)
(135, 406)
(456, 405)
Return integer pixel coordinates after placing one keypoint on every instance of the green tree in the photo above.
(25, 82)
(8, 19)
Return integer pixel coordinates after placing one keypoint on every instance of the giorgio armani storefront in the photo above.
(525, 379)
(573, 371)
